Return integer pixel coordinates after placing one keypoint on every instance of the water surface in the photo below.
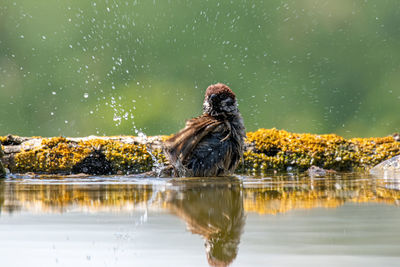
(277, 220)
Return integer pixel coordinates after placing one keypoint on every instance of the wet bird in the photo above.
(211, 144)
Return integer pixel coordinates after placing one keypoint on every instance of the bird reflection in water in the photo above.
(214, 211)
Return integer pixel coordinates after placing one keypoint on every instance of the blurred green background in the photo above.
(77, 68)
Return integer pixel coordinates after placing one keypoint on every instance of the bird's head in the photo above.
(220, 101)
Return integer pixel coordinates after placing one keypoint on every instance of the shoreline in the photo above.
(265, 149)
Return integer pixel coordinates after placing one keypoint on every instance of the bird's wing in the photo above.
(181, 144)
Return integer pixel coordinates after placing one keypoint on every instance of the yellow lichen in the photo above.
(266, 149)
(3, 139)
(279, 150)
(60, 155)
(56, 155)
(123, 157)
(166, 137)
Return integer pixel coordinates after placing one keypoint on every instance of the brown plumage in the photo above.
(212, 144)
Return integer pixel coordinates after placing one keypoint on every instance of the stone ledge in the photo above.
(2, 170)
(266, 149)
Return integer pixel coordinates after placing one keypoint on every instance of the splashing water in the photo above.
(119, 114)
(157, 166)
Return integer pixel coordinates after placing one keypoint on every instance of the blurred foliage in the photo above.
(78, 68)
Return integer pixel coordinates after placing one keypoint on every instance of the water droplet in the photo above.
(43, 37)
(117, 118)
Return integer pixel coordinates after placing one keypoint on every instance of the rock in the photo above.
(265, 150)
(2, 170)
(95, 163)
(14, 140)
(389, 168)
(315, 171)
(396, 136)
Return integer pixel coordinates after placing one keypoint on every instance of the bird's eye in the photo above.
(213, 97)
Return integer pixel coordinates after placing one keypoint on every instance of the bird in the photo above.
(211, 144)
